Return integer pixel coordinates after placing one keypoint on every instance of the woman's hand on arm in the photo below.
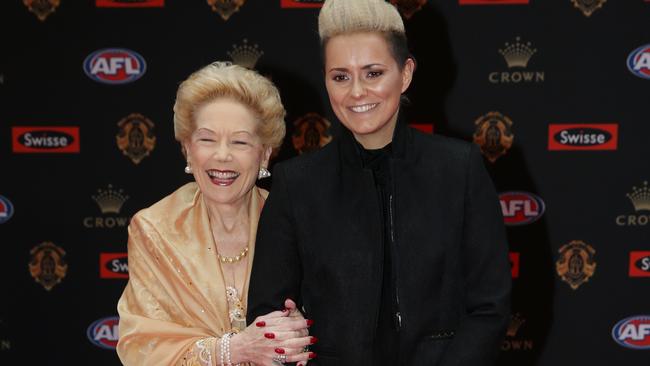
(277, 333)
(294, 312)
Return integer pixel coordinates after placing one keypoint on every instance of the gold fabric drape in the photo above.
(176, 293)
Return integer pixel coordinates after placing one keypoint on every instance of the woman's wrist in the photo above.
(238, 349)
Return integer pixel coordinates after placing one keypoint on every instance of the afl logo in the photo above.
(6, 210)
(103, 333)
(638, 62)
(521, 208)
(633, 332)
(114, 66)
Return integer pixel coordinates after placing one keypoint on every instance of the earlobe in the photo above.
(186, 150)
(267, 156)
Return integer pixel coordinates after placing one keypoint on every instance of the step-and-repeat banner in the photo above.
(556, 93)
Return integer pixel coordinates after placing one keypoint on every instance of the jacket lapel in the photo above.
(359, 199)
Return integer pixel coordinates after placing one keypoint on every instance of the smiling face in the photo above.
(225, 151)
(364, 84)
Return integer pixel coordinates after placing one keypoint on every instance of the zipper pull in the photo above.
(398, 316)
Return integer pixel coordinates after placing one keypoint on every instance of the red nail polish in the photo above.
(312, 355)
(269, 335)
(285, 310)
(313, 340)
(310, 322)
(279, 351)
(260, 324)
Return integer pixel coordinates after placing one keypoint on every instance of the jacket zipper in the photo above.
(398, 315)
(381, 263)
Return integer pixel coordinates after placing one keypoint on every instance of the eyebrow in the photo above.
(207, 130)
(365, 67)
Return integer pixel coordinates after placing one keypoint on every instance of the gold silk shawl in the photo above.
(176, 293)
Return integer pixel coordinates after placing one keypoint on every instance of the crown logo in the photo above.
(640, 197)
(515, 323)
(245, 55)
(110, 200)
(517, 54)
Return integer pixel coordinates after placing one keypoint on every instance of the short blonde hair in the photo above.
(225, 80)
(349, 16)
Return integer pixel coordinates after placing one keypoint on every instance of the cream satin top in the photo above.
(175, 299)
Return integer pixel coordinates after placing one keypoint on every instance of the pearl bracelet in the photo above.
(224, 354)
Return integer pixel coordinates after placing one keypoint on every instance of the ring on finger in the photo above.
(280, 358)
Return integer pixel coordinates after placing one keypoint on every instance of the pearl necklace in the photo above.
(233, 259)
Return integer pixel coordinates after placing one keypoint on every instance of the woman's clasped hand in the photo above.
(280, 336)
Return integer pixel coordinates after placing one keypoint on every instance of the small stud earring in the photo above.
(188, 169)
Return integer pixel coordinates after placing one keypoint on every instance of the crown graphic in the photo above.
(245, 55)
(110, 200)
(515, 323)
(517, 54)
(640, 197)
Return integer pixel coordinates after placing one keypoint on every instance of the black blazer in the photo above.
(319, 242)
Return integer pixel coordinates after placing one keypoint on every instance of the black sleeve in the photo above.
(486, 273)
(277, 269)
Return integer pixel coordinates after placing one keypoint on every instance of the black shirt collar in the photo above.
(351, 149)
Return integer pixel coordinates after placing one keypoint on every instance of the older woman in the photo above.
(391, 240)
(190, 253)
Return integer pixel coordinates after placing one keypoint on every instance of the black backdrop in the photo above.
(587, 204)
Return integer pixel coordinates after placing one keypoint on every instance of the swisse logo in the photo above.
(583, 136)
(114, 66)
(521, 208)
(103, 333)
(60, 139)
(514, 264)
(638, 62)
(639, 264)
(113, 265)
(424, 127)
(491, 2)
(301, 3)
(130, 3)
(633, 332)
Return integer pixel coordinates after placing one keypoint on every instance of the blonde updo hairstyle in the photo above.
(225, 80)
(339, 17)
